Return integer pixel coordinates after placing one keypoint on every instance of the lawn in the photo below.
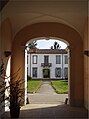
(60, 86)
(33, 85)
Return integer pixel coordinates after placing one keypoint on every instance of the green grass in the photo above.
(33, 85)
(60, 86)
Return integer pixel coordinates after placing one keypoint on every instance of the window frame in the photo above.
(66, 72)
(58, 61)
(56, 72)
(66, 59)
(35, 76)
(33, 60)
(45, 60)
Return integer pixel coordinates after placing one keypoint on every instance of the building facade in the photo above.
(47, 63)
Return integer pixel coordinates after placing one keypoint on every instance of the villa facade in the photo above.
(47, 63)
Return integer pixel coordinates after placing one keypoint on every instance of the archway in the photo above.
(46, 65)
(60, 31)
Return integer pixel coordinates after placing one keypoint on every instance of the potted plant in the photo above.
(16, 92)
(16, 96)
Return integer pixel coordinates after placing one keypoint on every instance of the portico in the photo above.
(25, 21)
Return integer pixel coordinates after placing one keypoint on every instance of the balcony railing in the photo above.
(46, 64)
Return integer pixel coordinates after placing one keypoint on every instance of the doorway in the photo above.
(46, 73)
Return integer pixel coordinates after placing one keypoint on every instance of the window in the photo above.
(58, 72)
(58, 59)
(34, 59)
(46, 59)
(66, 59)
(66, 72)
(34, 71)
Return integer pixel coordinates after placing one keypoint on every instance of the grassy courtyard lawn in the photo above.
(60, 86)
(33, 85)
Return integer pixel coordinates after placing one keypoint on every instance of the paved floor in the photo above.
(50, 111)
(47, 95)
(57, 110)
(47, 98)
(46, 88)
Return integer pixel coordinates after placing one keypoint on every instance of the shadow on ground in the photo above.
(50, 112)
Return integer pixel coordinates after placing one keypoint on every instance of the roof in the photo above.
(47, 51)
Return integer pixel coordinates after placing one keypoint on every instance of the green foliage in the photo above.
(17, 92)
(60, 86)
(33, 85)
(15, 88)
(32, 45)
(3, 86)
(56, 45)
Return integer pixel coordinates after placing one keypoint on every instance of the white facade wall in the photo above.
(54, 65)
(52, 60)
(64, 65)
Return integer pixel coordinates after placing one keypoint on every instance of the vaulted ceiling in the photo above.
(24, 12)
(3, 3)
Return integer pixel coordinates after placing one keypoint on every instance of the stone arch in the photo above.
(76, 53)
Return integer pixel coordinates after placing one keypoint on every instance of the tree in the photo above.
(56, 46)
(32, 45)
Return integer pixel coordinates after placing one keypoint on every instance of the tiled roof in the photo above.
(47, 51)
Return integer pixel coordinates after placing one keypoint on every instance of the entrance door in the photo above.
(46, 73)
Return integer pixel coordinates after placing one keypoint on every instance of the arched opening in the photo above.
(47, 64)
(60, 31)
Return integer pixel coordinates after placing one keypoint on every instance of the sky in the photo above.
(46, 44)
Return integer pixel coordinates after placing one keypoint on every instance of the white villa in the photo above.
(47, 63)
